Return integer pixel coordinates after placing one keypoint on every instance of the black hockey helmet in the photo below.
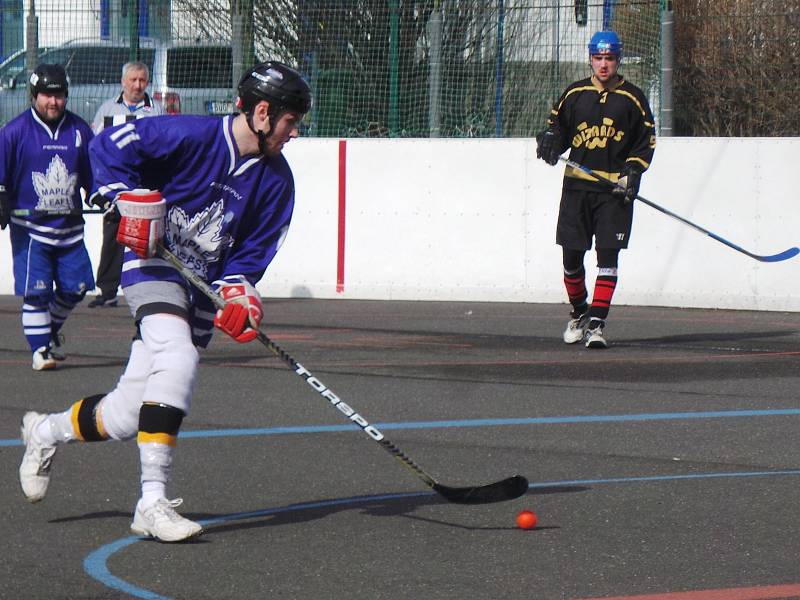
(49, 78)
(280, 85)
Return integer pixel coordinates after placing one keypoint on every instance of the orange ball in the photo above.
(526, 519)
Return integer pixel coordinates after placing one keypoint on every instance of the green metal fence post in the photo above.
(133, 29)
(666, 111)
(32, 39)
(394, 43)
(434, 30)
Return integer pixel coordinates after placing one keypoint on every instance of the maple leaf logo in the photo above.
(56, 187)
(196, 241)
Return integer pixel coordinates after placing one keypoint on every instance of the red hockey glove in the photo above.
(242, 313)
(141, 226)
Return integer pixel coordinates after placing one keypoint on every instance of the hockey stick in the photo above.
(785, 255)
(30, 212)
(499, 491)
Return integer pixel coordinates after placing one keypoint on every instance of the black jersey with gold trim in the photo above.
(604, 129)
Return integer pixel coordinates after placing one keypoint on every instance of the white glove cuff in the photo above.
(142, 204)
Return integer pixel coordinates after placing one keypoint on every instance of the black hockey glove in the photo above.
(112, 214)
(97, 200)
(5, 209)
(547, 146)
(628, 184)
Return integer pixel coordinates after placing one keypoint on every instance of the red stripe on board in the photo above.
(767, 592)
(342, 198)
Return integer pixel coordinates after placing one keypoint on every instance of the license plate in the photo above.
(219, 107)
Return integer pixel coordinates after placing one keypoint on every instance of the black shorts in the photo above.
(584, 214)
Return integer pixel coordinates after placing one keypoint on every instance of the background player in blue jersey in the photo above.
(607, 124)
(44, 164)
(219, 194)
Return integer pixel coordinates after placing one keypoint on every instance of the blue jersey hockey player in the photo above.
(219, 194)
(44, 164)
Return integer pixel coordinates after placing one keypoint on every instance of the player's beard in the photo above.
(52, 120)
(51, 116)
(272, 145)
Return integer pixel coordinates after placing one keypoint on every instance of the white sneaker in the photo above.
(42, 360)
(57, 347)
(594, 335)
(162, 522)
(34, 471)
(575, 328)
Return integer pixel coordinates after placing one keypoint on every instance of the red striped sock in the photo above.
(603, 292)
(575, 282)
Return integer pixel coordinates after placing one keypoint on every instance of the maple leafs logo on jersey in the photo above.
(196, 240)
(56, 187)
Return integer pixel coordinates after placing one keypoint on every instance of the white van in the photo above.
(187, 77)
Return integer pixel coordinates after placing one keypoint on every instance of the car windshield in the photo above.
(13, 69)
(85, 65)
(96, 65)
(199, 67)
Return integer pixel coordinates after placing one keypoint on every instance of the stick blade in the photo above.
(499, 491)
(785, 255)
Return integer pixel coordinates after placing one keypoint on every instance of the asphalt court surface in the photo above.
(665, 468)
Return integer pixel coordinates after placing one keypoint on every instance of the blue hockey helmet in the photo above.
(605, 42)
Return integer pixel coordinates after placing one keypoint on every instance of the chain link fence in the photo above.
(424, 68)
(737, 65)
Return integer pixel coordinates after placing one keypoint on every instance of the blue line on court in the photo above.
(95, 566)
(95, 563)
(717, 414)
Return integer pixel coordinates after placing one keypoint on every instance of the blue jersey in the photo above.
(44, 170)
(226, 213)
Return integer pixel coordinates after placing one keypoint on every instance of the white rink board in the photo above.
(475, 220)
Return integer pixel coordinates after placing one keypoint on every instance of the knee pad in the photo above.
(572, 260)
(85, 424)
(69, 299)
(174, 361)
(607, 258)
(61, 306)
(38, 300)
(159, 424)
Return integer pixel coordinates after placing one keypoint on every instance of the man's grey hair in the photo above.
(135, 66)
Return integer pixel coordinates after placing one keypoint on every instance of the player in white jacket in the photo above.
(132, 103)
